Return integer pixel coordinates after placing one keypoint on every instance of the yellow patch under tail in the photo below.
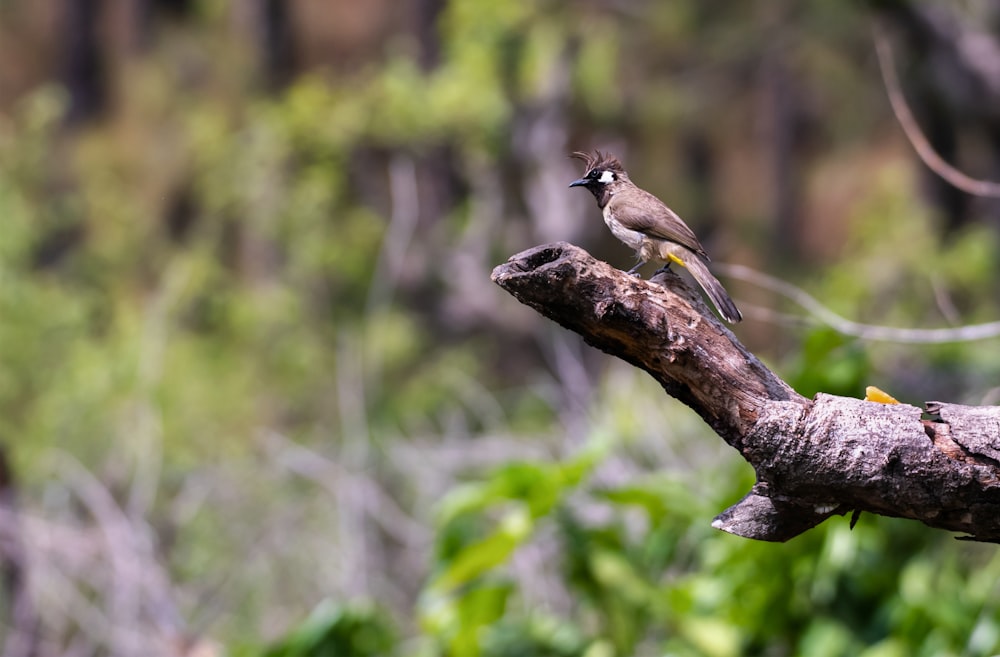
(674, 258)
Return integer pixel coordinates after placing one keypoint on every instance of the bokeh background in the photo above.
(258, 395)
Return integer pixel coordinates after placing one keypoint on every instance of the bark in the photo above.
(813, 458)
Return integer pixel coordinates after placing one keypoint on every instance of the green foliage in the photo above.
(537, 636)
(829, 362)
(339, 631)
(465, 597)
(873, 590)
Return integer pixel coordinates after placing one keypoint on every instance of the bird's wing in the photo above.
(648, 215)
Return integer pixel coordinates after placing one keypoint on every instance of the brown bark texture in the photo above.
(813, 458)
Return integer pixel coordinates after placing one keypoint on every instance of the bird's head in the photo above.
(604, 172)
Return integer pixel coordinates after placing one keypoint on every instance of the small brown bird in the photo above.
(643, 222)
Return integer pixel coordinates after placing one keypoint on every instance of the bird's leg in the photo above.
(635, 270)
(662, 270)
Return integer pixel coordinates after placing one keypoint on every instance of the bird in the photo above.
(646, 224)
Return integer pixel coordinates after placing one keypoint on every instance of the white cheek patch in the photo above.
(606, 177)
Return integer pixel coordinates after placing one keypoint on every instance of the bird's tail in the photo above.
(713, 288)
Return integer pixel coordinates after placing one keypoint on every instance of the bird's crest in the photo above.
(599, 160)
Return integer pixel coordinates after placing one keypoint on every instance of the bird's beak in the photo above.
(582, 182)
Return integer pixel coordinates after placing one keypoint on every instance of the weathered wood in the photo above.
(813, 458)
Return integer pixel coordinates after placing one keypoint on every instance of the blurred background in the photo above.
(258, 395)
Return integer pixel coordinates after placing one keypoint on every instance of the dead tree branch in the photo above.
(813, 458)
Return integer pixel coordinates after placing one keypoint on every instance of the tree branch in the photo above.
(813, 458)
(844, 326)
(915, 135)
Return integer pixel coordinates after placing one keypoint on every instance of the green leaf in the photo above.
(334, 630)
(476, 559)
(712, 637)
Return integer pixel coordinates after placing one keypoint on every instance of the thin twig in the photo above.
(913, 133)
(404, 196)
(845, 326)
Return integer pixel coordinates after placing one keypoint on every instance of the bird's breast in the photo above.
(632, 238)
